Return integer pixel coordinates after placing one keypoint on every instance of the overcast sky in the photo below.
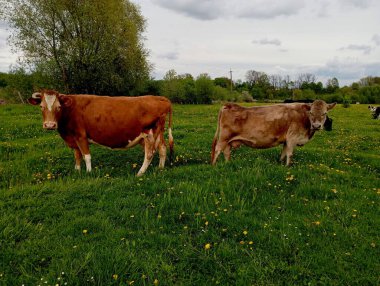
(329, 38)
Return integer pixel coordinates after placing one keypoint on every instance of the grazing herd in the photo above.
(375, 111)
(124, 122)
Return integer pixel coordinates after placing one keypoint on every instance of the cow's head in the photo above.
(318, 112)
(51, 103)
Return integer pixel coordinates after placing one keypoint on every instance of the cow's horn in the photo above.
(36, 95)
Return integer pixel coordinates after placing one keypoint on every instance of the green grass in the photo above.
(315, 223)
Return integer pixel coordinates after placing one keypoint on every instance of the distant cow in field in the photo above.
(328, 123)
(292, 124)
(375, 111)
(114, 122)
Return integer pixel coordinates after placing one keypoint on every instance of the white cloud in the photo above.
(366, 49)
(376, 39)
(202, 10)
(265, 41)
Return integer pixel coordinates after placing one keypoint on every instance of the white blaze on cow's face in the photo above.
(318, 112)
(51, 108)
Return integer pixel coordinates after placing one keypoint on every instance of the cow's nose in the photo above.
(317, 126)
(50, 125)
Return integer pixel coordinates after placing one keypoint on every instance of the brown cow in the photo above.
(292, 124)
(115, 122)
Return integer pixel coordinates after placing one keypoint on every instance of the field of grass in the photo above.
(252, 221)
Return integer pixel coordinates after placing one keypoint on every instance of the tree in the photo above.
(91, 46)
(332, 85)
(204, 89)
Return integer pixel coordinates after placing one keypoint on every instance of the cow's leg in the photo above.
(78, 158)
(82, 143)
(220, 146)
(149, 143)
(227, 152)
(162, 150)
(288, 152)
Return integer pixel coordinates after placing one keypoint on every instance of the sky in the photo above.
(328, 38)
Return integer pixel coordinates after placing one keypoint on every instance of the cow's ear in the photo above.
(331, 106)
(307, 106)
(65, 100)
(35, 99)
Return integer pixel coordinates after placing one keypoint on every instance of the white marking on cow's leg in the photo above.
(162, 152)
(149, 151)
(87, 159)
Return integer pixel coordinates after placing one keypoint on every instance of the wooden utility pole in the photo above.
(231, 79)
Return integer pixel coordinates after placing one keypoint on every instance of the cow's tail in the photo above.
(216, 136)
(171, 139)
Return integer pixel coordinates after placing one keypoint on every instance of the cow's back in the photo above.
(114, 121)
(262, 126)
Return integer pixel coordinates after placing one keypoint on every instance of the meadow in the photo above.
(251, 221)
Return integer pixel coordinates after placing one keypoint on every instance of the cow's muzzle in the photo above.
(317, 126)
(50, 125)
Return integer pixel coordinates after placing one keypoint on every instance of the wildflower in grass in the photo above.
(115, 276)
(316, 223)
(85, 231)
(134, 165)
(245, 232)
(206, 223)
(155, 282)
(373, 244)
(131, 282)
(242, 242)
(250, 243)
(334, 191)
(207, 246)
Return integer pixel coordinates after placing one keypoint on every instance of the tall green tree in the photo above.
(91, 46)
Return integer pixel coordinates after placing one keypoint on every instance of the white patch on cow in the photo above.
(50, 99)
(87, 159)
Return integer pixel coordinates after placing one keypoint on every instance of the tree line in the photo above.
(96, 47)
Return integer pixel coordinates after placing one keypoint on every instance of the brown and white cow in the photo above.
(291, 124)
(114, 122)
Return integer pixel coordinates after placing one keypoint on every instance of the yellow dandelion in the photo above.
(207, 246)
(316, 222)
(206, 223)
(250, 243)
(245, 232)
(134, 165)
(241, 242)
(334, 191)
(155, 282)
(85, 231)
(49, 176)
(115, 276)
